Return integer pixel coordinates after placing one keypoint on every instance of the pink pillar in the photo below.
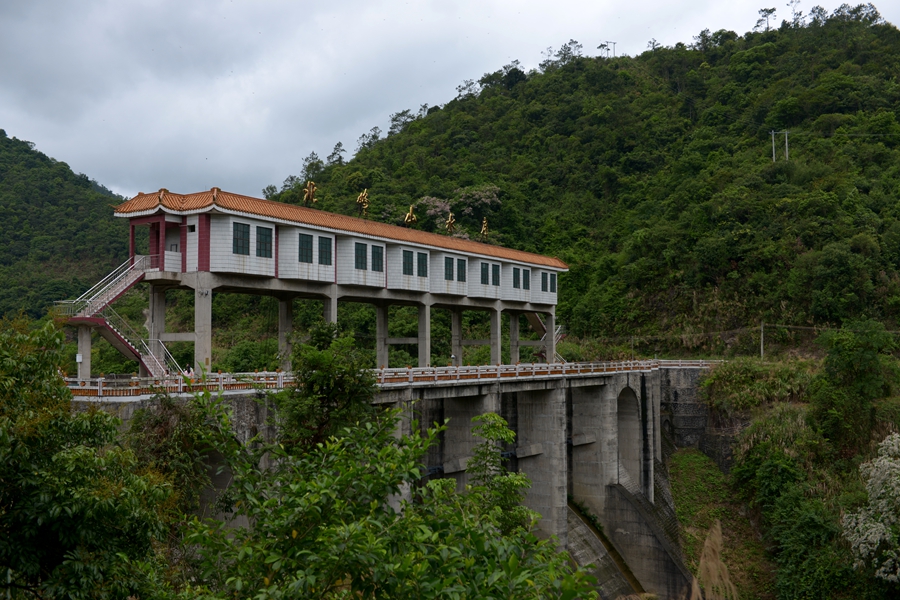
(162, 243)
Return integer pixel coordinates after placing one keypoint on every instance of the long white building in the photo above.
(218, 241)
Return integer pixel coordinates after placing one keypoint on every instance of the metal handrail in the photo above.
(84, 303)
(175, 382)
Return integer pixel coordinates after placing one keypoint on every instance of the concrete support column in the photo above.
(456, 347)
(541, 454)
(550, 338)
(459, 442)
(202, 328)
(513, 338)
(329, 309)
(157, 321)
(495, 336)
(285, 328)
(424, 335)
(381, 335)
(84, 349)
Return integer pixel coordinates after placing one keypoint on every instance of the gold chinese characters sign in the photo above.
(309, 193)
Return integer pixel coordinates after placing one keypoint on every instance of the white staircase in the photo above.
(93, 308)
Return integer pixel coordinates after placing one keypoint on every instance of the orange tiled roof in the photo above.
(215, 197)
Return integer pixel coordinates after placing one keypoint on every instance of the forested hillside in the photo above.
(652, 176)
(59, 236)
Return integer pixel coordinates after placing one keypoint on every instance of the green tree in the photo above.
(76, 518)
(334, 389)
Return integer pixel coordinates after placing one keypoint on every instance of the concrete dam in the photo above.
(593, 439)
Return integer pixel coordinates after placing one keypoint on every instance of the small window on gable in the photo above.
(516, 271)
(495, 274)
(553, 283)
(378, 259)
(361, 257)
(460, 269)
(324, 250)
(526, 279)
(306, 248)
(241, 239)
(192, 228)
(448, 268)
(264, 242)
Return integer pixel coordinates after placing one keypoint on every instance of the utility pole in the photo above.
(786, 152)
(762, 337)
(614, 47)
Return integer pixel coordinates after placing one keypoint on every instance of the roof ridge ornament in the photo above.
(410, 219)
(162, 192)
(362, 204)
(215, 192)
(309, 193)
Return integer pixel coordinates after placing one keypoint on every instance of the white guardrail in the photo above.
(274, 380)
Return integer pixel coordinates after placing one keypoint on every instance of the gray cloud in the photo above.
(187, 95)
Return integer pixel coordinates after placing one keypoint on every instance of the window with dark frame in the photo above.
(306, 253)
(378, 259)
(264, 242)
(516, 277)
(361, 256)
(526, 279)
(485, 278)
(448, 268)
(192, 228)
(553, 283)
(407, 262)
(543, 282)
(324, 250)
(495, 274)
(461, 269)
(241, 243)
(422, 264)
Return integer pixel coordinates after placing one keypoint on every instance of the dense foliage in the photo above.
(652, 176)
(59, 235)
(798, 463)
(78, 517)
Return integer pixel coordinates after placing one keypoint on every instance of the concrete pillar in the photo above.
(495, 336)
(381, 335)
(157, 321)
(541, 455)
(456, 337)
(513, 338)
(84, 349)
(550, 338)
(329, 309)
(588, 443)
(285, 328)
(459, 443)
(424, 335)
(202, 328)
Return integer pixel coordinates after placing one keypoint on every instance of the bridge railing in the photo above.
(273, 380)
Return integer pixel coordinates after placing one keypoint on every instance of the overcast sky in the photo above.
(188, 95)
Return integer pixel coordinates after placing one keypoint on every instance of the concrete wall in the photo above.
(476, 289)
(222, 258)
(289, 265)
(438, 283)
(396, 280)
(347, 273)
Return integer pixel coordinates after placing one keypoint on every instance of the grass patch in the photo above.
(702, 494)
